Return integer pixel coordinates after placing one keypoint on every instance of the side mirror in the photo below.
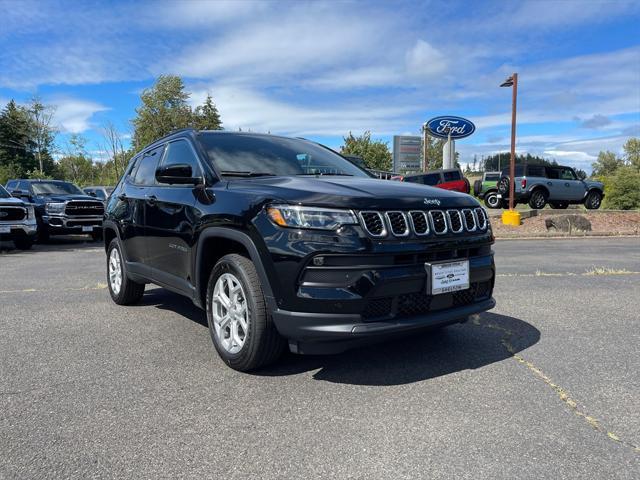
(177, 174)
(92, 194)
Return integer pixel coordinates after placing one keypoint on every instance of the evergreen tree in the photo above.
(207, 116)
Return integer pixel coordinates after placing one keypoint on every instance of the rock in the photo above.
(568, 223)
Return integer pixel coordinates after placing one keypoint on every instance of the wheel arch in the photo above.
(213, 244)
(109, 232)
(539, 186)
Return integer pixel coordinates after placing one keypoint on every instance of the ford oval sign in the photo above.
(458, 127)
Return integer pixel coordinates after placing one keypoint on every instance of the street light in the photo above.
(511, 217)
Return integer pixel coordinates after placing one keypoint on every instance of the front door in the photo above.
(169, 220)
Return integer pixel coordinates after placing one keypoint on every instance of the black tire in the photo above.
(477, 187)
(593, 200)
(130, 292)
(262, 344)
(503, 186)
(43, 234)
(538, 199)
(24, 243)
(559, 205)
(491, 200)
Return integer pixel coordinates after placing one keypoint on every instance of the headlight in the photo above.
(31, 212)
(54, 207)
(310, 217)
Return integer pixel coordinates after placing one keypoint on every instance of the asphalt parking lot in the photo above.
(545, 385)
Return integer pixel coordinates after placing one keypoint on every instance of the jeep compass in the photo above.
(286, 243)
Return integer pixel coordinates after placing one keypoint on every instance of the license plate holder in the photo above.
(87, 229)
(447, 277)
(5, 229)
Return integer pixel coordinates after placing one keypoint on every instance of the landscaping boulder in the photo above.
(568, 223)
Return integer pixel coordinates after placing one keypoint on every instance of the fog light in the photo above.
(318, 261)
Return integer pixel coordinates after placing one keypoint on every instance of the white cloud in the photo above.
(423, 60)
(74, 115)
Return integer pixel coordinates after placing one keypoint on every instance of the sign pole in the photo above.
(425, 139)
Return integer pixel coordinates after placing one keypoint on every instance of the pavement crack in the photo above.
(562, 393)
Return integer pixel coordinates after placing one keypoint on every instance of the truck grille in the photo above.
(12, 213)
(421, 223)
(82, 209)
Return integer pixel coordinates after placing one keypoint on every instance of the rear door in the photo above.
(132, 200)
(169, 219)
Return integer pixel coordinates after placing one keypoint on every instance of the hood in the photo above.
(594, 183)
(353, 192)
(65, 198)
(12, 201)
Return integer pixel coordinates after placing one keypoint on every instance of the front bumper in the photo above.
(61, 224)
(17, 230)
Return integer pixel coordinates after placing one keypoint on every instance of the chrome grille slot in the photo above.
(373, 223)
(455, 221)
(438, 222)
(419, 222)
(481, 217)
(469, 220)
(398, 224)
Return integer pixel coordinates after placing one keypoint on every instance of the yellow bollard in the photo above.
(511, 217)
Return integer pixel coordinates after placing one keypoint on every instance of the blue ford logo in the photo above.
(458, 126)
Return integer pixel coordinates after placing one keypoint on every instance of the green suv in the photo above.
(487, 189)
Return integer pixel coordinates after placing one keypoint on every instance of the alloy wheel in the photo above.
(115, 271)
(230, 313)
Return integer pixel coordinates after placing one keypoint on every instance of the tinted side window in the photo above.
(536, 171)
(180, 152)
(452, 176)
(146, 172)
(553, 173)
(432, 179)
(99, 194)
(416, 179)
(567, 174)
(11, 185)
(24, 186)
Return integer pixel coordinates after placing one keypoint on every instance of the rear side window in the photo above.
(492, 178)
(452, 176)
(24, 186)
(536, 171)
(416, 179)
(11, 185)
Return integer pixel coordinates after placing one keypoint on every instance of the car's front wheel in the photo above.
(123, 290)
(242, 331)
(593, 200)
(538, 199)
(491, 200)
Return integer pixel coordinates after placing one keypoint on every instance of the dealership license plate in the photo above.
(449, 277)
(87, 229)
(5, 229)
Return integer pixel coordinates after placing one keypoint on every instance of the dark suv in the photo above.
(61, 207)
(282, 241)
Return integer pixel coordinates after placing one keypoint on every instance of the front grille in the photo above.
(398, 224)
(420, 223)
(12, 213)
(374, 223)
(424, 222)
(418, 303)
(455, 221)
(438, 222)
(82, 209)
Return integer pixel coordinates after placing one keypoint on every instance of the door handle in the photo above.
(151, 199)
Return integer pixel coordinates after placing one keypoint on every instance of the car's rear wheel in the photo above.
(23, 243)
(123, 290)
(593, 200)
(538, 199)
(242, 331)
(503, 186)
(559, 205)
(491, 200)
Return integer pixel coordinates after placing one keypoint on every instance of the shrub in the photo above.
(622, 190)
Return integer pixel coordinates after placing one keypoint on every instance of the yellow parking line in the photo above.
(564, 396)
(99, 286)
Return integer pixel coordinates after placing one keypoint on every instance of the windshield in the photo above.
(247, 155)
(55, 188)
(4, 193)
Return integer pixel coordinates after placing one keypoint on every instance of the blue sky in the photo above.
(322, 69)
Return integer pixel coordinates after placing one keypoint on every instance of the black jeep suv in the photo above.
(283, 240)
(61, 207)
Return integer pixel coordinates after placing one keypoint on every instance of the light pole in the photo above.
(511, 217)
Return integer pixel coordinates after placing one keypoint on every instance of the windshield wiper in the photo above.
(247, 174)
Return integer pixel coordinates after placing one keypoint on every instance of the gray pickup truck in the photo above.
(17, 221)
(556, 185)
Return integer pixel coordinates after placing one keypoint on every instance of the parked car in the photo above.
(557, 185)
(100, 192)
(486, 189)
(17, 221)
(449, 179)
(60, 207)
(284, 242)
